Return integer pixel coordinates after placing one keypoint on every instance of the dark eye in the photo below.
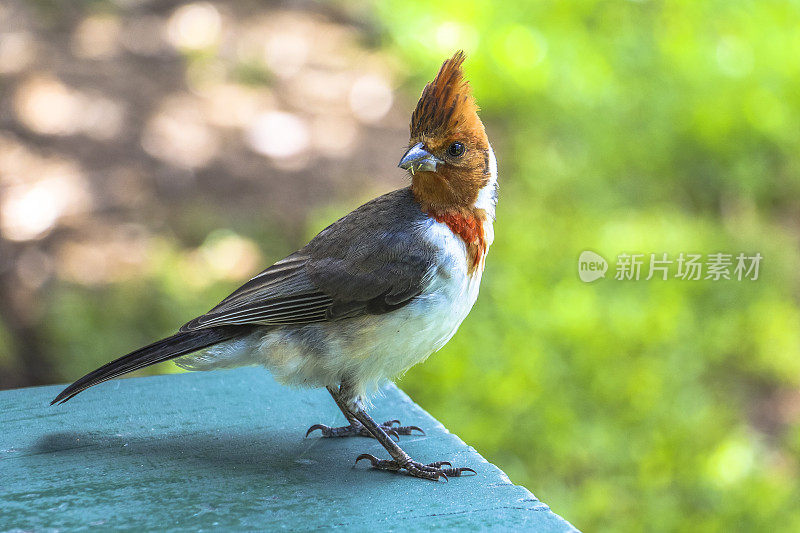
(456, 149)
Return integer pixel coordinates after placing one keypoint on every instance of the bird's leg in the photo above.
(356, 428)
(400, 460)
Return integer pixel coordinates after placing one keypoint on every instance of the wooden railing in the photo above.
(226, 450)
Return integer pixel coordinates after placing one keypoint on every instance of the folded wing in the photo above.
(371, 261)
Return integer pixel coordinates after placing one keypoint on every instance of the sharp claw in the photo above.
(391, 423)
(312, 428)
(411, 428)
(372, 459)
(431, 471)
(456, 472)
(393, 433)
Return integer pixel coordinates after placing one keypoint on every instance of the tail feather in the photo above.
(163, 350)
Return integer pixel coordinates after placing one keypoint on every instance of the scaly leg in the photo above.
(400, 460)
(356, 428)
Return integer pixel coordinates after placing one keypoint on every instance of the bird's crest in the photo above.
(446, 103)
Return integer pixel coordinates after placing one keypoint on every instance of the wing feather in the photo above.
(281, 293)
(371, 261)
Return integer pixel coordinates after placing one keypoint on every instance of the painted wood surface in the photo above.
(226, 450)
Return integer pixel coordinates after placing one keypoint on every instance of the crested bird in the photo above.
(371, 295)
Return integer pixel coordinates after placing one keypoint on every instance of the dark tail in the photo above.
(163, 350)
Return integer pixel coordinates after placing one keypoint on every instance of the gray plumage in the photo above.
(367, 262)
(163, 350)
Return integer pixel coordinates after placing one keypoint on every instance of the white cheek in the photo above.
(487, 196)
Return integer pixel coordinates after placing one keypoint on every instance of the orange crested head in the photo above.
(446, 105)
(449, 156)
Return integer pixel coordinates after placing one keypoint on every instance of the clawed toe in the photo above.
(315, 427)
(400, 429)
(344, 431)
(432, 471)
(407, 430)
(457, 472)
(357, 430)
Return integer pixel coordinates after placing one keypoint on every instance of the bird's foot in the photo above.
(356, 429)
(432, 471)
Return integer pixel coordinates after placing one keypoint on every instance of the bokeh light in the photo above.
(278, 134)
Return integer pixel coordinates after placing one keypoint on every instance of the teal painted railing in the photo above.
(226, 450)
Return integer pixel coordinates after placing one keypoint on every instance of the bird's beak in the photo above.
(418, 159)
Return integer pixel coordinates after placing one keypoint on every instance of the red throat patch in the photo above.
(470, 229)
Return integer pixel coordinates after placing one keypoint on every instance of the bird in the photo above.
(371, 295)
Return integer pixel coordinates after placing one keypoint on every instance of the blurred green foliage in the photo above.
(629, 127)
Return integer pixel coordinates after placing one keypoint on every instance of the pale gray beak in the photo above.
(418, 159)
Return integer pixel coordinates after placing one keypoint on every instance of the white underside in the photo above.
(367, 349)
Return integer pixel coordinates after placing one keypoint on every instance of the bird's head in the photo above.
(449, 156)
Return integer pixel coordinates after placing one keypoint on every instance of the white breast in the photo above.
(487, 197)
(452, 290)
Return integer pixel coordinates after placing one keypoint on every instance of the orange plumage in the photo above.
(446, 106)
(447, 113)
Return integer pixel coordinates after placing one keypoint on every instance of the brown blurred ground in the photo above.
(124, 125)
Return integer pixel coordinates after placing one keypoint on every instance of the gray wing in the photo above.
(281, 294)
(371, 261)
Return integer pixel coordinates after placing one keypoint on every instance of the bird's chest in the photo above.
(470, 230)
(380, 346)
(454, 282)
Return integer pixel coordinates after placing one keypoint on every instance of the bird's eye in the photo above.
(456, 149)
